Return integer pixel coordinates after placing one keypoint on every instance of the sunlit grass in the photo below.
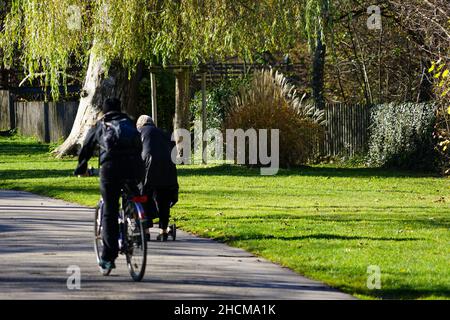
(324, 222)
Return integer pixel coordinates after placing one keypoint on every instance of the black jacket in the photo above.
(126, 165)
(157, 147)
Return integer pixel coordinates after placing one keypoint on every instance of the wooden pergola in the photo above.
(213, 71)
(182, 95)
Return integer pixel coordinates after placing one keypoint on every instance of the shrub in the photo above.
(270, 102)
(401, 136)
(441, 74)
(442, 135)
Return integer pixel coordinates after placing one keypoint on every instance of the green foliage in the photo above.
(270, 102)
(217, 100)
(130, 31)
(401, 136)
(40, 30)
(318, 21)
(440, 71)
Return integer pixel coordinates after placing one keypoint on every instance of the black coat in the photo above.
(126, 165)
(161, 172)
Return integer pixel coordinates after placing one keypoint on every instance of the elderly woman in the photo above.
(160, 182)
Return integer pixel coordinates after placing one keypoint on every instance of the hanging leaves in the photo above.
(49, 35)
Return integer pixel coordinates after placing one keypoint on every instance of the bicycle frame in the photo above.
(122, 216)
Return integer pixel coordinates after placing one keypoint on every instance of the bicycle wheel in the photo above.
(98, 242)
(136, 252)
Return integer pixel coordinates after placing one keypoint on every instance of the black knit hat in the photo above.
(111, 104)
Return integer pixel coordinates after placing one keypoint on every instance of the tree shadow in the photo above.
(287, 219)
(15, 148)
(7, 228)
(405, 292)
(234, 170)
(17, 174)
(89, 191)
(320, 236)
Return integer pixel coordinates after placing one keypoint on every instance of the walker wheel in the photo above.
(173, 231)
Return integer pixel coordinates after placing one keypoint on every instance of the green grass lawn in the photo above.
(327, 223)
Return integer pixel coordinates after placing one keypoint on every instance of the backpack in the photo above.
(120, 136)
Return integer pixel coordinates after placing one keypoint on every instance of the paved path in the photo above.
(40, 237)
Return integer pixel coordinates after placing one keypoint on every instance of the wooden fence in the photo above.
(47, 121)
(346, 132)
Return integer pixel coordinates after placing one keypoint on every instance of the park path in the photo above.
(40, 237)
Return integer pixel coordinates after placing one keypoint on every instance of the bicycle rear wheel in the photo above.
(98, 241)
(136, 244)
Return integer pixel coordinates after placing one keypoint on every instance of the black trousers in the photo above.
(114, 177)
(158, 205)
(111, 192)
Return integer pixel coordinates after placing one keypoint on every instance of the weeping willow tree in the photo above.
(318, 23)
(110, 38)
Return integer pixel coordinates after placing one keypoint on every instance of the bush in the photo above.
(270, 102)
(401, 136)
(442, 135)
(441, 70)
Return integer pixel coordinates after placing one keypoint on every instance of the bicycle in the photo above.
(132, 242)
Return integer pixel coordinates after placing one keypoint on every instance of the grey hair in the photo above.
(143, 120)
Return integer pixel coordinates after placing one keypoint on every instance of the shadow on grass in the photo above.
(228, 170)
(59, 191)
(320, 236)
(289, 220)
(35, 174)
(404, 293)
(14, 148)
(11, 147)
(233, 170)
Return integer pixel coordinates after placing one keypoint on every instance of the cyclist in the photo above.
(160, 183)
(120, 165)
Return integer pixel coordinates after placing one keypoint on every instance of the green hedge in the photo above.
(401, 136)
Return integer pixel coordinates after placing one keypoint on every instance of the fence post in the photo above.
(12, 111)
(46, 123)
(204, 146)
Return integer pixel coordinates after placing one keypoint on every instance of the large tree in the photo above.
(318, 21)
(112, 37)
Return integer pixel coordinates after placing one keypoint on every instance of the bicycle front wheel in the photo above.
(136, 252)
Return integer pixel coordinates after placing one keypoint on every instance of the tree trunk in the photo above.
(97, 88)
(319, 55)
(130, 97)
(318, 69)
(181, 119)
(426, 86)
